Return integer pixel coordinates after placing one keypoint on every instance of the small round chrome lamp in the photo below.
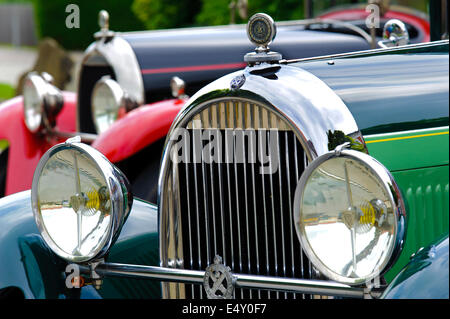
(395, 34)
(80, 201)
(349, 216)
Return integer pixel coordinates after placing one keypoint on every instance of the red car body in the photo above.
(26, 148)
(134, 131)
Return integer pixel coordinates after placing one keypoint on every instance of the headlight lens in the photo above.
(349, 216)
(33, 97)
(107, 100)
(80, 201)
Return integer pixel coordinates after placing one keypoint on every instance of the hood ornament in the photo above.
(218, 280)
(103, 22)
(261, 31)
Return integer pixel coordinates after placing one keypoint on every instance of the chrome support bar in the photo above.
(85, 137)
(280, 284)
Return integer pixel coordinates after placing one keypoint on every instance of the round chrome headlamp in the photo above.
(349, 216)
(109, 102)
(80, 201)
(42, 102)
(33, 97)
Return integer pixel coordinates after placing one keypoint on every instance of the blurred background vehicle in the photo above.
(140, 66)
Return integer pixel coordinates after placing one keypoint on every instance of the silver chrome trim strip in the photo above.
(418, 131)
(305, 286)
(366, 52)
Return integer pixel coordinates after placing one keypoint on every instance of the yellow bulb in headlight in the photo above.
(97, 201)
(92, 203)
(366, 217)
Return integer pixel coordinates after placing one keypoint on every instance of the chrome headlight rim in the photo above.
(120, 197)
(397, 201)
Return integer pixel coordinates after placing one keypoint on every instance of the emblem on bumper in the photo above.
(218, 281)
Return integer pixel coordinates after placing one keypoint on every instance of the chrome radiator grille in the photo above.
(229, 208)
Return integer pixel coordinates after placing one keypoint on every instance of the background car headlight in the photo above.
(349, 216)
(109, 102)
(33, 102)
(42, 102)
(80, 201)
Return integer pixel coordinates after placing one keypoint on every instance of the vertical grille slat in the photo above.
(222, 217)
(291, 226)
(227, 151)
(229, 208)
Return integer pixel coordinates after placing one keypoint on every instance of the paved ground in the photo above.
(14, 61)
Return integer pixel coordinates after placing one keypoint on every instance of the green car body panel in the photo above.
(28, 264)
(390, 91)
(399, 99)
(400, 102)
(419, 279)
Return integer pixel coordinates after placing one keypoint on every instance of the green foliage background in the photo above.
(131, 15)
(157, 14)
(217, 12)
(164, 14)
(51, 20)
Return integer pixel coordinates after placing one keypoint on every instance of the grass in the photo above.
(6, 92)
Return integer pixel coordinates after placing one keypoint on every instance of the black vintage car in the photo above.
(121, 71)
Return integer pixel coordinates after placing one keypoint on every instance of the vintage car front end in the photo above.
(309, 178)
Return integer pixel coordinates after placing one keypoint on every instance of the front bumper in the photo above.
(280, 284)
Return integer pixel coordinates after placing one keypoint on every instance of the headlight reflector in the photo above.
(79, 200)
(349, 216)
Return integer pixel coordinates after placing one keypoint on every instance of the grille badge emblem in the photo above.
(237, 82)
(218, 280)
